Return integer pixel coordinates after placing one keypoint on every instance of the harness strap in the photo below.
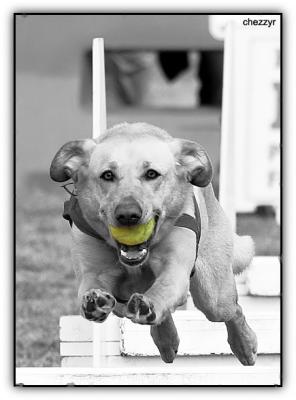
(72, 213)
(192, 223)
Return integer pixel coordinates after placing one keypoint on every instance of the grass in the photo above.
(45, 285)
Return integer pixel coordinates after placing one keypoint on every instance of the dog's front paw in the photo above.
(97, 305)
(141, 310)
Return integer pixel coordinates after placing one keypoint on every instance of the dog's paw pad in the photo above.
(96, 305)
(140, 309)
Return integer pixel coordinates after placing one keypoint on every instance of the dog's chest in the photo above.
(130, 282)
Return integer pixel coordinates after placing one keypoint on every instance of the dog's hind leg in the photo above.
(214, 293)
(213, 286)
(166, 338)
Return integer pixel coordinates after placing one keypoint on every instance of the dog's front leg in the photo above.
(171, 264)
(94, 268)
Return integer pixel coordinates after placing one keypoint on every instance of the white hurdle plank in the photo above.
(81, 349)
(106, 340)
(201, 337)
(74, 328)
(197, 335)
(225, 360)
(264, 276)
(261, 278)
(167, 375)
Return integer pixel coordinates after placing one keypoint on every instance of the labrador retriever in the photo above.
(125, 177)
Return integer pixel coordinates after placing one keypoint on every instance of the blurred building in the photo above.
(164, 53)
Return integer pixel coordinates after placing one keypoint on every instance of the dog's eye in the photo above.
(107, 176)
(151, 174)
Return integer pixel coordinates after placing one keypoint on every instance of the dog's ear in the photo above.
(194, 159)
(69, 158)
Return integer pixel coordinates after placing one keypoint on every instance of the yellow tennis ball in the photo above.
(132, 235)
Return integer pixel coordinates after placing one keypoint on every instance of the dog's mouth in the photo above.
(135, 255)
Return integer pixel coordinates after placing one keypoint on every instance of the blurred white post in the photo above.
(227, 151)
(250, 137)
(250, 134)
(98, 88)
(100, 331)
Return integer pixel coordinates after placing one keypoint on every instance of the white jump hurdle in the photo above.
(129, 344)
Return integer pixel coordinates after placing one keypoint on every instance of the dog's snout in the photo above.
(128, 212)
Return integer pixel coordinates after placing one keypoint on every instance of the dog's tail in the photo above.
(243, 253)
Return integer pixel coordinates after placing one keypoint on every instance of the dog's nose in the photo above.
(128, 212)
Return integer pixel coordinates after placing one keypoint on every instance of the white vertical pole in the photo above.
(228, 137)
(106, 341)
(99, 126)
(98, 88)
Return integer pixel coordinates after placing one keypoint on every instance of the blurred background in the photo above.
(163, 69)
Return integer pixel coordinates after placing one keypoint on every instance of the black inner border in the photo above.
(14, 190)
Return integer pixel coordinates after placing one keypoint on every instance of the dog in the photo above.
(130, 174)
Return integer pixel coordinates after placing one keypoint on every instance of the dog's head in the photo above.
(129, 175)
